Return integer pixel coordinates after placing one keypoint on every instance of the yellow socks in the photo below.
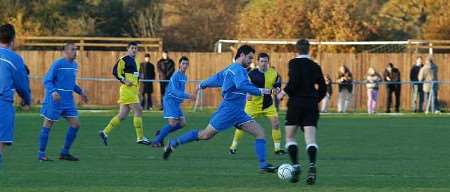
(237, 137)
(276, 137)
(115, 122)
(137, 122)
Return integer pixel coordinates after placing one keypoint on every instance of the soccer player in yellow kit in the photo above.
(262, 76)
(128, 73)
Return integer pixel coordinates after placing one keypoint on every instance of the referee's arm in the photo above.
(322, 87)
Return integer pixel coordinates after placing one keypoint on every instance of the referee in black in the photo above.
(305, 88)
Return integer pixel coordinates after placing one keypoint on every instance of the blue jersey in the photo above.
(13, 77)
(177, 87)
(61, 77)
(234, 83)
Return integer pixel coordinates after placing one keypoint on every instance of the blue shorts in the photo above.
(7, 116)
(172, 109)
(228, 116)
(55, 113)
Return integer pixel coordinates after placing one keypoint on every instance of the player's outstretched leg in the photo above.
(256, 130)
(236, 138)
(188, 137)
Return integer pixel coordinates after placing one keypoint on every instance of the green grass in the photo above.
(357, 153)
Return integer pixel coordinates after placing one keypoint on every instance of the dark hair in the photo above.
(165, 51)
(265, 55)
(391, 65)
(245, 49)
(303, 46)
(67, 45)
(133, 43)
(183, 58)
(147, 55)
(7, 33)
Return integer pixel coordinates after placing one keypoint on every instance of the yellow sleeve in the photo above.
(120, 68)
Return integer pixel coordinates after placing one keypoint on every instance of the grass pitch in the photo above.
(357, 153)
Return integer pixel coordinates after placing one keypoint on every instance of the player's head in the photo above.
(147, 57)
(165, 54)
(419, 59)
(303, 46)
(132, 48)
(184, 63)
(390, 66)
(70, 51)
(263, 61)
(7, 35)
(244, 55)
(371, 71)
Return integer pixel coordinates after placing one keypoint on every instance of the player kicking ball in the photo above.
(173, 98)
(235, 86)
(263, 76)
(60, 83)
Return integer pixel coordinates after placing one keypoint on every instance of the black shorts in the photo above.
(302, 112)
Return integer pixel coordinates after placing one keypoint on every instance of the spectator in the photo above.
(417, 88)
(166, 67)
(427, 74)
(345, 80)
(392, 76)
(148, 71)
(326, 99)
(372, 80)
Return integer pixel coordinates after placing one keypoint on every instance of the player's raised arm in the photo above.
(242, 83)
(213, 81)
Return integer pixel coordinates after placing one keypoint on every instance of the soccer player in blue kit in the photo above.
(235, 86)
(13, 77)
(60, 83)
(173, 98)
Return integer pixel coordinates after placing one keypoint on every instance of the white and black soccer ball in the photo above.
(285, 172)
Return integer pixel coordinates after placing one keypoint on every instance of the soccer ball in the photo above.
(285, 171)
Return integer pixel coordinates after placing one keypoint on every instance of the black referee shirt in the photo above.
(305, 79)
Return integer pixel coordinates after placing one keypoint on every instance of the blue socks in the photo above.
(165, 131)
(260, 149)
(70, 137)
(185, 138)
(43, 140)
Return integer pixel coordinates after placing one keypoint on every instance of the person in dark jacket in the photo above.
(166, 67)
(417, 88)
(392, 76)
(148, 71)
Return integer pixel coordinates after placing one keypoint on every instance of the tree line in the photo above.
(195, 25)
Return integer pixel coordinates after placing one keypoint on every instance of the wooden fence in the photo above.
(98, 64)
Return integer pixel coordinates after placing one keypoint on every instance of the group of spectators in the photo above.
(423, 77)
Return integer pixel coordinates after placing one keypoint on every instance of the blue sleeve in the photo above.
(78, 89)
(21, 83)
(243, 84)
(178, 87)
(213, 81)
(50, 77)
